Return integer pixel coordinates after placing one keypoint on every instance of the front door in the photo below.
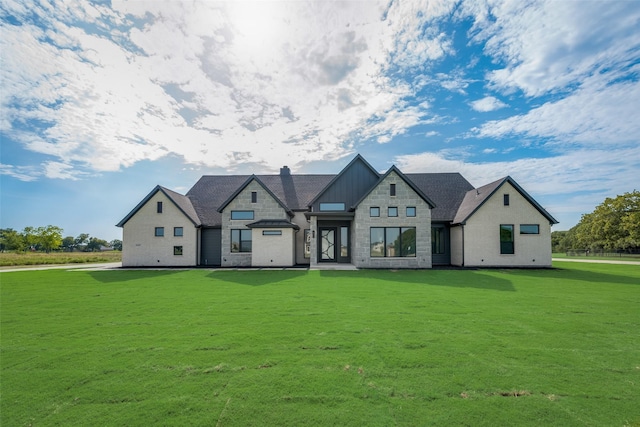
(327, 245)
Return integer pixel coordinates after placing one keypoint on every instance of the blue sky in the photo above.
(101, 101)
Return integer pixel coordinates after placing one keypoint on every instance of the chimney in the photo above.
(285, 171)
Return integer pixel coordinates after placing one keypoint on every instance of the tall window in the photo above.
(307, 243)
(240, 240)
(506, 239)
(241, 214)
(159, 207)
(254, 197)
(392, 189)
(344, 242)
(393, 242)
(505, 199)
(437, 240)
(178, 231)
(159, 231)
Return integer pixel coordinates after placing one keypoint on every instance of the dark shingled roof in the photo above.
(273, 223)
(211, 191)
(445, 189)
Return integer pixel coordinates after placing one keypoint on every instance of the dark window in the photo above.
(332, 206)
(393, 211)
(159, 231)
(254, 197)
(393, 242)
(529, 229)
(392, 189)
(437, 240)
(272, 232)
(159, 207)
(240, 240)
(241, 214)
(374, 211)
(506, 239)
(178, 231)
(177, 250)
(506, 199)
(411, 211)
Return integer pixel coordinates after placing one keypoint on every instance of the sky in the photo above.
(102, 101)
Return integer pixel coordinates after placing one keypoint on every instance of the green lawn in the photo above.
(241, 348)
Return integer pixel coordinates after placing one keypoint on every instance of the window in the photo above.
(393, 211)
(374, 211)
(529, 229)
(240, 240)
(344, 242)
(272, 232)
(307, 243)
(178, 231)
(392, 189)
(254, 197)
(505, 199)
(411, 211)
(332, 206)
(437, 240)
(177, 250)
(159, 231)
(506, 239)
(241, 214)
(159, 207)
(393, 242)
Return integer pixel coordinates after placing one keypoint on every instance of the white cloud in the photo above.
(486, 104)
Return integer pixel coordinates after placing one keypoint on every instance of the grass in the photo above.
(8, 259)
(243, 348)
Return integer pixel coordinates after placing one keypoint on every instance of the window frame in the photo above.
(254, 197)
(159, 232)
(389, 208)
(307, 243)
(178, 250)
(250, 215)
(159, 207)
(272, 232)
(175, 231)
(507, 247)
(530, 233)
(371, 211)
(403, 251)
(505, 199)
(392, 190)
(241, 241)
(332, 206)
(415, 211)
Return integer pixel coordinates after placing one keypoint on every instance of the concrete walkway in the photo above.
(596, 261)
(79, 267)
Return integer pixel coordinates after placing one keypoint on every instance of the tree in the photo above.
(96, 244)
(116, 244)
(49, 237)
(81, 240)
(11, 240)
(68, 243)
(30, 238)
(613, 225)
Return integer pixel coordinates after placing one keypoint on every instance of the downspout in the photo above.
(463, 248)
(198, 245)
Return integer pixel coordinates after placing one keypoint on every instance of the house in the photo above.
(359, 217)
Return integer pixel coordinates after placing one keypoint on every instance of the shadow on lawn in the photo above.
(257, 277)
(127, 275)
(580, 275)
(463, 278)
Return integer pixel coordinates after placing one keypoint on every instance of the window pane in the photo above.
(159, 207)
(374, 211)
(159, 231)
(377, 242)
(177, 231)
(393, 211)
(307, 243)
(506, 239)
(506, 200)
(392, 236)
(411, 211)
(437, 240)
(245, 240)
(344, 241)
(332, 206)
(408, 239)
(272, 232)
(235, 240)
(177, 250)
(254, 197)
(241, 214)
(392, 189)
(529, 229)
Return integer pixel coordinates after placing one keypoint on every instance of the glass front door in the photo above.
(328, 244)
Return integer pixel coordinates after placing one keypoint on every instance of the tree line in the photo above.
(49, 238)
(614, 226)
